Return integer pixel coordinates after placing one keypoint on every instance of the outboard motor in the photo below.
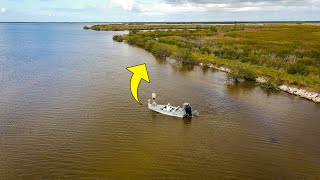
(187, 109)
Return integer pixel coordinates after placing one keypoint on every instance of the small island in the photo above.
(281, 56)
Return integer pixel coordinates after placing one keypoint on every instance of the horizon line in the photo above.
(168, 22)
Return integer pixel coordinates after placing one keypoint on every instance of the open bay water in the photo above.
(66, 112)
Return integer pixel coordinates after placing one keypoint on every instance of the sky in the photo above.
(158, 10)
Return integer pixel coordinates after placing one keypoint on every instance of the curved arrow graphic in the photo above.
(139, 72)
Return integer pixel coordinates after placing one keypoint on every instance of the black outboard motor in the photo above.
(188, 109)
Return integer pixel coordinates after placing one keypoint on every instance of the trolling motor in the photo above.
(188, 109)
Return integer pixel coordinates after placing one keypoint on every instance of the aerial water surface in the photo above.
(66, 112)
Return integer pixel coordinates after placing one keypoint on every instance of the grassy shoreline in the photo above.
(282, 53)
(133, 26)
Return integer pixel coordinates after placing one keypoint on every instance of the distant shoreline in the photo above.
(274, 55)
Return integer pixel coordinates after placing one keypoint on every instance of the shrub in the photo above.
(283, 53)
(86, 28)
(205, 50)
(275, 63)
(297, 68)
(161, 50)
(149, 44)
(213, 29)
(117, 38)
(270, 85)
(251, 58)
(184, 55)
(132, 39)
(174, 42)
(230, 53)
(96, 28)
(237, 73)
(314, 54)
(138, 40)
(134, 31)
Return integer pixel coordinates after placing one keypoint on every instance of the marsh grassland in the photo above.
(282, 53)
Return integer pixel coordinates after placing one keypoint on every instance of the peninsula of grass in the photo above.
(132, 27)
(282, 53)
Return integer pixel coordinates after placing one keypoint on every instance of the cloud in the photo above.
(164, 8)
(3, 10)
(159, 10)
(236, 5)
(124, 4)
(167, 7)
(210, 7)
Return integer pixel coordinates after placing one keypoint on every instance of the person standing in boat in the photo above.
(169, 107)
(154, 95)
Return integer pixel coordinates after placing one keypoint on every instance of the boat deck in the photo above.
(174, 111)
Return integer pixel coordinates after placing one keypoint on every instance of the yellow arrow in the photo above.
(139, 72)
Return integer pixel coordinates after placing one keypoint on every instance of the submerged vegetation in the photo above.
(283, 53)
